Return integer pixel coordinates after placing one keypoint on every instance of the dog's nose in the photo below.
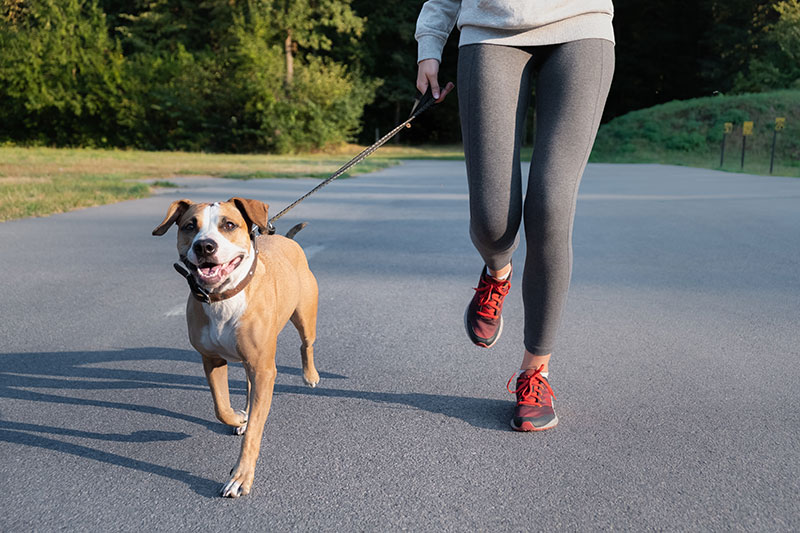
(205, 247)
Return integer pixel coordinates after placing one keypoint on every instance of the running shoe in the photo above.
(483, 319)
(534, 410)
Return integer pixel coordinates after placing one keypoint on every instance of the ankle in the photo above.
(501, 274)
(531, 361)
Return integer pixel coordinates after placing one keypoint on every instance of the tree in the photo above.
(774, 62)
(60, 72)
(308, 24)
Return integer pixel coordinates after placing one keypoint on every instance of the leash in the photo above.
(422, 103)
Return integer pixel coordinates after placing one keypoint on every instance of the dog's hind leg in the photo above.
(305, 320)
(216, 370)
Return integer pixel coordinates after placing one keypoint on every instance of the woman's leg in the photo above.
(571, 89)
(494, 86)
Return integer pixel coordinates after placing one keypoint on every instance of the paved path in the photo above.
(677, 370)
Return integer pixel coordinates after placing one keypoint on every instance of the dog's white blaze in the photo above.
(209, 229)
(219, 336)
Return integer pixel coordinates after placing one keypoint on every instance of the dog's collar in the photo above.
(208, 297)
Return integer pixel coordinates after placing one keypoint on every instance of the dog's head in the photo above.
(214, 239)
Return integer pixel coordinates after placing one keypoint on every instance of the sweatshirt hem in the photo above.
(586, 26)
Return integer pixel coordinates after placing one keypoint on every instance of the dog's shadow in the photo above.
(24, 375)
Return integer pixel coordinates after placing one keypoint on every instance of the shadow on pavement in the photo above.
(24, 373)
(479, 412)
(23, 376)
(202, 486)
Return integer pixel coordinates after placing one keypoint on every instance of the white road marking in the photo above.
(178, 310)
(313, 249)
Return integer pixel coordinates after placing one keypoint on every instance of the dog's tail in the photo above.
(295, 230)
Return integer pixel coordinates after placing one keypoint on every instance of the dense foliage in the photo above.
(288, 75)
(180, 74)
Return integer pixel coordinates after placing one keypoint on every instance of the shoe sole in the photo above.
(527, 426)
(480, 343)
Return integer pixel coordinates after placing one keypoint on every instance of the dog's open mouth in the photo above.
(213, 274)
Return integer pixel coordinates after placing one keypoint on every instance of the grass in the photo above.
(43, 181)
(689, 133)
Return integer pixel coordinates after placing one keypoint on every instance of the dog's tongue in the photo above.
(214, 273)
(210, 272)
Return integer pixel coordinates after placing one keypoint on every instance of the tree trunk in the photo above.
(288, 47)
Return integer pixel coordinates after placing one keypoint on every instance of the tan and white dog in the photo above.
(244, 290)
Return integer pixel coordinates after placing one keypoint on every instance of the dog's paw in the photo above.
(238, 485)
(311, 378)
(239, 430)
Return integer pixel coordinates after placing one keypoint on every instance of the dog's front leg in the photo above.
(262, 383)
(216, 370)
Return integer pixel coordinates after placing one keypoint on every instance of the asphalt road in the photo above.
(676, 372)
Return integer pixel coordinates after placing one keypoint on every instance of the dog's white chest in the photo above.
(219, 335)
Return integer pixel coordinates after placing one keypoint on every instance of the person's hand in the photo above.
(428, 75)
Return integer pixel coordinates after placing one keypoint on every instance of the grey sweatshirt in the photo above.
(511, 22)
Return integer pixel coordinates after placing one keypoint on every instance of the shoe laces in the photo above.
(491, 293)
(531, 388)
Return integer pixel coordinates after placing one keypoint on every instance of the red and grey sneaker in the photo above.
(483, 319)
(534, 411)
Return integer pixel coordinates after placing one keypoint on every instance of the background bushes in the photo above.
(215, 74)
(169, 74)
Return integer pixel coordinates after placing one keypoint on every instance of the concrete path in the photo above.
(676, 373)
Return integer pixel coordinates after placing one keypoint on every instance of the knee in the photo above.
(493, 237)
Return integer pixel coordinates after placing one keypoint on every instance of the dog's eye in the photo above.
(230, 226)
(189, 226)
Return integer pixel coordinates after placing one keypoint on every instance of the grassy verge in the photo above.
(689, 133)
(42, 181)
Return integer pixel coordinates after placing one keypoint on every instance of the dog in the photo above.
(245, 287)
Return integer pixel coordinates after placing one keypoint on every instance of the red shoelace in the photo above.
(491, 296)
(530, 388)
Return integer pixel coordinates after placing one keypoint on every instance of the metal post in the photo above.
(772, 155)
(726, 129)
(747, 129)
(744, 144)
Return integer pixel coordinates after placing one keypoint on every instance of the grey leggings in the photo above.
(494, 87)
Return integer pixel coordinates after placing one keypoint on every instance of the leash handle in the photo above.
(424, 101)
(421, 105)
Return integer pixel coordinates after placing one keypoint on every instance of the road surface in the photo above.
(676, 372)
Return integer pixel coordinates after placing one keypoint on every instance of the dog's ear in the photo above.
(176, 209)
(253, 211)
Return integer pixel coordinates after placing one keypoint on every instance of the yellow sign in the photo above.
(747, 128)
(728, 127)
(780, 123)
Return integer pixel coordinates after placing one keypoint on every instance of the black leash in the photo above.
(421, 104)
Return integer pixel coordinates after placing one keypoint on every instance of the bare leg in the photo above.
(532, 361)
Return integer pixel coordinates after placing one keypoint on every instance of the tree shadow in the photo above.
(23, 374)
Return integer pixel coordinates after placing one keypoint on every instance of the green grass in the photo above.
(43, 181)
(164, 184)
(689, 133)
